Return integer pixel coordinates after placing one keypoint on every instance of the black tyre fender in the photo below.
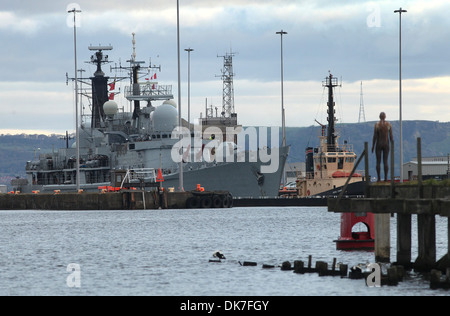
(206, 202)
(192, 202)
(217, 201)
(226, 202)
(230, 200)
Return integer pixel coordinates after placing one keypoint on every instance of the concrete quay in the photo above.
(122, 200)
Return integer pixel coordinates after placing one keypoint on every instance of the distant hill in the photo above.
(16, 150)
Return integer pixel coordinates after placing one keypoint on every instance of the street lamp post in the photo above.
(189, 50)
(283, 127)
(180, 136)
(400, 11)
(75, 11)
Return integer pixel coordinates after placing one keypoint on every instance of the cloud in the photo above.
(10, 21)
(357, 40)
(36, 106)
(50, 105)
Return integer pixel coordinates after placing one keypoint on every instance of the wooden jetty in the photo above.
(426, 201)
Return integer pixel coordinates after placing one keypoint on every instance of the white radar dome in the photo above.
(165, 118)
(110, 108)
(171, 102)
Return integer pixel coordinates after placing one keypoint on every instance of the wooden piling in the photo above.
(268, 266)
(435, 279)
(382, 238)
(286, 265)
(404, 240)
(392, 276)
(322, 267)
(299, 266)
(343, 269)
(426, 225)
(419, 167)
(366, 169)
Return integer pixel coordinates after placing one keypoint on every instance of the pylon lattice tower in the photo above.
(362, 115)
(228, 89)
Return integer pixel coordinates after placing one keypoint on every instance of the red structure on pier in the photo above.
(349, 240)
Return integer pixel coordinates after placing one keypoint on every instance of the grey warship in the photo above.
(116, 147)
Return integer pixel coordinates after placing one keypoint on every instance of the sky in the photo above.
(356, 40)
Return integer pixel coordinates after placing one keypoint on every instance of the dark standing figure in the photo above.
(381, 136)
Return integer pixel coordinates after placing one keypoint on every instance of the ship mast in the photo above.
(331, 82)
(99, 85)
(137, 91)
(135, 66)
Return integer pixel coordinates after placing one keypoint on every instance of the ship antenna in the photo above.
(134, 47)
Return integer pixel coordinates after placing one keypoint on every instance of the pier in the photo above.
(421, 199)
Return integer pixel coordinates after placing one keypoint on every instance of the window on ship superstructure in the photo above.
(341, 163)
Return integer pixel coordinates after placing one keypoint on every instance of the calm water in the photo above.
(166, 252)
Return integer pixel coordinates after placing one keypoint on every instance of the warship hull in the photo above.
(241, 179)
